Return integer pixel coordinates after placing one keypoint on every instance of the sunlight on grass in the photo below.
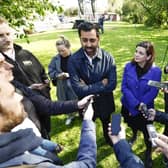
(119, 39)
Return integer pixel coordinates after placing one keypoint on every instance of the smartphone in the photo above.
(152, 133)
(158, 84)
(144, 110)
(115, 124)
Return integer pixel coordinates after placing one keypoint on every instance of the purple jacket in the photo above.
(136, 90)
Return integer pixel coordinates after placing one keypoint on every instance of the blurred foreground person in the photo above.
(122, 150)
(26, 69)
(17, 146)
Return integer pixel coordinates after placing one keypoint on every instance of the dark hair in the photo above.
(149, 51)
(87, 27)
(63, 41)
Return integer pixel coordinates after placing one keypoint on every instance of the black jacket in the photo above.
(27, 69)
(161, 117)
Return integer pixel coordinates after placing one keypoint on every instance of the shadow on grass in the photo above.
(58, 124)
(69, 156)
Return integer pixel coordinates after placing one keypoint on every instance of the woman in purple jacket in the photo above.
(135, 92)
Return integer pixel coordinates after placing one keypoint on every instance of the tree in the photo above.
(132, 11)
(93, 7)
(81, 6)
(150, 12)
(24, 12)
(156, 13)
(111, 4)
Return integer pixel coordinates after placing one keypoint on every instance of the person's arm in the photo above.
(161, 117)
(54, 69)
(112, 76)
(126, 157)
(87, 151)
(162, 145)
(80, 87)
(42, 104)
(58, 107)
(103, 84)
(158, 116)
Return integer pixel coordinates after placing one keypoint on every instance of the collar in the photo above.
(10, 54)
(90, 58)
(97, 55)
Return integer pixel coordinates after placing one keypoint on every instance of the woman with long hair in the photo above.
(136, 92)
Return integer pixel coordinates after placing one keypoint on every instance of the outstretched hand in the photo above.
(88, 112)
(38, 86)
(83, 102)
(165, 89)
(152, 114)
(162, 144)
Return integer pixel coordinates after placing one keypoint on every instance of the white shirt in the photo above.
(27, 123)
(90, 58)
(10, 54)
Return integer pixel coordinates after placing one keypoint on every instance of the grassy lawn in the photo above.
(119, 39)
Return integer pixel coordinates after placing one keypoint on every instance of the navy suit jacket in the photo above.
(44, 105)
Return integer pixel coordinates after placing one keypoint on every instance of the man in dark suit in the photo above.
(92, 71)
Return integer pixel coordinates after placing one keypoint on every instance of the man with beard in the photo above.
(35, 101)
(26, 69)
(93, 71)
(17, 147)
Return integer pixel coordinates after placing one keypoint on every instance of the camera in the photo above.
(152, 134)
(157, 84)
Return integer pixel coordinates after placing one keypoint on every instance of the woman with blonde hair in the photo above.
(57, 70)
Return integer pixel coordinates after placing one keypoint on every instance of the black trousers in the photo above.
(138, 123)
(104, 106)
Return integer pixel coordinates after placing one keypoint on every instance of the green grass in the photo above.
(119, 39)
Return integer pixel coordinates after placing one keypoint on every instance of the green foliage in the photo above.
(22, 13)
(132, 12)
(150, 12)
(71, 12)
(81, 4)
(119, 39)
(157, 13)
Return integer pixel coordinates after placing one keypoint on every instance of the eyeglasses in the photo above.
(85, 40)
